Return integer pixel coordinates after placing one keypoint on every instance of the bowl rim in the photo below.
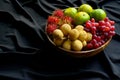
(78, 52)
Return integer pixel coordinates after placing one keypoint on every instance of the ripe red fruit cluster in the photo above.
(58, 13)
(53, 20)
(101, 31)
(50, 28)
(56, 20)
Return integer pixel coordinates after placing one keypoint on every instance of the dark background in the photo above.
(25, 53)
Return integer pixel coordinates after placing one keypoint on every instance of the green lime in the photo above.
(98, 14)
(81, 17)
(86, 8)
(71, 11)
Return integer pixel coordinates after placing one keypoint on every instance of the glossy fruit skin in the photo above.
(101, 31)
(98, 14)
(86, 8)
(67, 44)
(58, 41)
(57, 33)
(73, 34)
(77, 45)
(71, 11)
(65, 29)
(81, 17)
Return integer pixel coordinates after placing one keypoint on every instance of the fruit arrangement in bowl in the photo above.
(81, 31)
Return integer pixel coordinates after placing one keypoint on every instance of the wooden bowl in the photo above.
(80, 54)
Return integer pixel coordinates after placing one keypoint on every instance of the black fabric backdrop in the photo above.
(25, 53)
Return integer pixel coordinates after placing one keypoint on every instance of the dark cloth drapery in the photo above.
(25, 53)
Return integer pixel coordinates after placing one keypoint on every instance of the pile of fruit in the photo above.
(82, 28)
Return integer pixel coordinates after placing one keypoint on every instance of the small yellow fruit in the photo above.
(67, 44)
(73, 34)
(89, 37)
(84, 43)
(79, 27)
(77, 45)
(82, 35)
(57, 33)
(58, 41)
(65, 29)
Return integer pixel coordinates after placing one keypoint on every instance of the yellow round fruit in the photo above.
(65, 29)
(84, 43)
(67, 44)
(73, 34)
(82, 35)
(86, 8)
(57, 33)
(89, 36)
(77, 45)
(58, 41)
(79, 27)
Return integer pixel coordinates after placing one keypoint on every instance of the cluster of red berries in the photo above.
(101, 31)
(57, 19)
